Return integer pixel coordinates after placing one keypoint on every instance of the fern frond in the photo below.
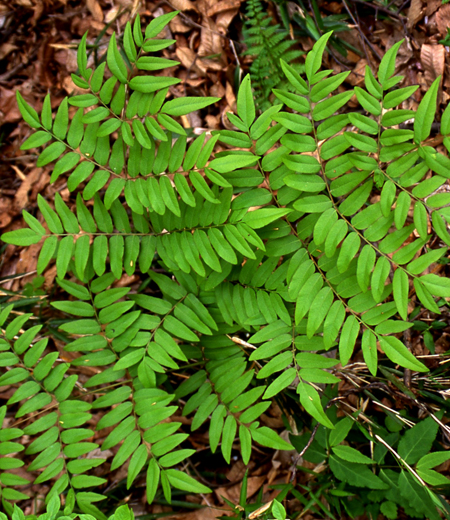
(264, 266)
(266, 43)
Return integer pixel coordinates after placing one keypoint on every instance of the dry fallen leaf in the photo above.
(28, 258)
(433, 61)
(5, 208)
(358, 73)
(112, 14)
(224, 20)
(9, 112)
(232, 493)
(415, 13)
(49, 275)
(431, 6)
(217, 90)
(184, 5)
(225, 5)
(211, 43)
(212, 122)
(177, 26)
(6, 48)
(21, 197)
(67, 57)
(95, 10)
(443, 19)
(230, 95)
(187, 57)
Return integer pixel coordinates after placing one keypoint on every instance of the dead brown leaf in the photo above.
(433, 61)
(126, 280)
(432, 6)
(217, 90)
(28, 258)
(230, 96)
(415, 13)
(6, 48)
(443, 19)
(5, 211)
(39, 186)
(236, 472)
(224, 5)
(184, 5)
(9, 111)
(21, 197)
(67, 58)
(189, 60)
(177, 26)
(211, 42)
(212, 64)
(232, 493)
(224, 20)
(95, 10)
(335, 7)
(357, 75)
(212, 122)
(112, 14)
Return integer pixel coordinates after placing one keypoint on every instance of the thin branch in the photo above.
(310, 440)
(304, 450)
(362, 35)
(380, 8)
(397, 456)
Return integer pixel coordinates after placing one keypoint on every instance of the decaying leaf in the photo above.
(188, 59)
(225, 5)
(112, 14)
(415, 13)
(211, 42)
(443, 19)
(5, 209)
(21, 197)
(177, 25)
(95, 10)
(5, 49)
(224, 20)
(357, 75)
(433, 61)
(431, 6)
(184, 5)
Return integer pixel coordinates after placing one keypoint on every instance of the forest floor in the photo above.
(38, 42)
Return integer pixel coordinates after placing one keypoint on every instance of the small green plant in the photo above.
(402, 460)
(267, 43)
(346, 483)
(272, 510)
(309, 21)
(446, 40)
(262, 268)
(53, 512)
